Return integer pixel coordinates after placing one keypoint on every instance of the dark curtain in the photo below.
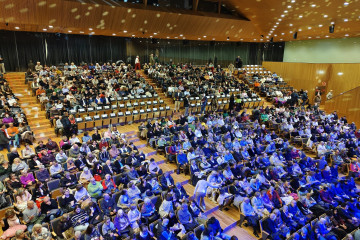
(79, 49)
(274, 52)
(30, 46)
(57, 49)
(8, 50)
(17, 48)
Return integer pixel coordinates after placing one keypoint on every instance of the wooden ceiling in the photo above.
(270, 18)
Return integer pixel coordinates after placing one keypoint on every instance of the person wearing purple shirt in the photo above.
(7, 119)
(27, 179)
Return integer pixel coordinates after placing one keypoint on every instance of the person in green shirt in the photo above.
(95, 189)
(264, 117)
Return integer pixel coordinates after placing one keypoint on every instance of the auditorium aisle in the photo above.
(42, 129)
(32, 108)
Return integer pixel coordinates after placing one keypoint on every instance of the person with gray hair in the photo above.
(32, 215)
(40, 233)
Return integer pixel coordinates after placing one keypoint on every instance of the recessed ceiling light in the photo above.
(290, 24)
(291, 32)
(181, 35)
(275, 35)
(346, 35)
(327, 36)
(254, 39)
(44, 29)
(309, 37)
(133, 35)
(155, 33)
(70, 31)
(282, 33)
(300, 30)
(277, 23)
(176, 37)
(292, 1)
(125, 31)
(241, 39)
(167, 37)
(150, 36)
(346, 3)
(340, 73)
(317, 36)
(282, 16)
(50, 26)
(289, 6)
(325, 16)
(309, 27)
(320, 25)
(114, 34)
(281, 39)
(204, 36)
(214, 39)
(313, 5)
(261, 39)
(286, 11)
(17, 28)
(300, 16)
(345, 20)
(90, 29)
(280, 19)
(81, 32)
(199, 38)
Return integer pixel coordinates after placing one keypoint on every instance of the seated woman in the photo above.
(124, 201)
(70, 166)
(122, 224)
(19, 165)
(22, 196)
(27, 152)
(40, 233)
(109, 185)
(10, 224)
(134, 217)
(27, 179)
(85, 176)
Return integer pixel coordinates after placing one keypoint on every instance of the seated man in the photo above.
(95, 189)
(185, 218)
(183, 162)
(50, 208)
(56, 170)
(108, 205)
(250, 215)
(68, 180)
(166, 181)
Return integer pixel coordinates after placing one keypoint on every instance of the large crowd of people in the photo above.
(254, 161)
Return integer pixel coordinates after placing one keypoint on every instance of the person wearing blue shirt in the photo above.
(182, 162)
(250, 215)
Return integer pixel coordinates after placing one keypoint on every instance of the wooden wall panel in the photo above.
(347, 104)
(339, 77)
(305, 76)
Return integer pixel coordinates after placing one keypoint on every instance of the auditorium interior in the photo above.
(180, 119)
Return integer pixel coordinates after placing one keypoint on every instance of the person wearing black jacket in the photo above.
(68, 180)
(186, 105)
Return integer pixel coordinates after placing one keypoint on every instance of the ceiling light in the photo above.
(277, 23)
(320, 25)
(300, 30)
(317, 36)
(125, 31)
(114, 34)
(292, 1)
(261, 39)
(155, 33)
(254, 39)
(309, 37)
(214, 39)
(90, 29)
(325, 16)
(133, 35)
(327, 36)
(281, 39)
(167, 37)
(241, 39)
(70, 31)
(199, 38)
(17, 28)
(275, 35)
(50, 26)
(300, 16)
(291, 32)
(204, 36)
(340, 73)
(44, 29)
(346, 3)
(282, 16)
(313, 5)
(286, 11)
(309, 27)
(289, 6)
(279, 19)
(345, 20)
(181, 35)
(81, 32)
(176, 37)
(346, 35)
(290, 24)
(150, 36)
(332, 23)
(282, 33)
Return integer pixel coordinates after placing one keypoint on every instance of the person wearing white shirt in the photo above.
(200, 192)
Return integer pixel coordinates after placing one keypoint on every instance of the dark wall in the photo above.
(17, 48)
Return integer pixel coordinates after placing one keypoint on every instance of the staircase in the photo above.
(32, 108)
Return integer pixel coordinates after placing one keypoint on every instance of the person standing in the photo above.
(2, 65)
(238, 62)
(186, 105)
(200, 192)
(204, 101)
(177, 98)
(137, 63)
